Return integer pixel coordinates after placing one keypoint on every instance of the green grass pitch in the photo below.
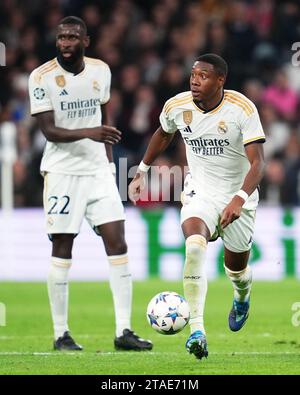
(268, 344)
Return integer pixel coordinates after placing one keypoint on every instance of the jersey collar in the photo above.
(213, 109)
(68, 72)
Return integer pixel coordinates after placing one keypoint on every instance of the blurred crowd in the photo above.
(150, 47)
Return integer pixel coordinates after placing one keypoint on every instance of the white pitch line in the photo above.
(234, 353)
(13, 337)
(87, 336)
(32, 353)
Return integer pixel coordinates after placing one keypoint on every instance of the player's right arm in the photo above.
(104, 134)
(157, 145)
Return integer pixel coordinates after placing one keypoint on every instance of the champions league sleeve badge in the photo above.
(39, 93)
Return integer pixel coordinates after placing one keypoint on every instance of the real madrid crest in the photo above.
(60, 81)
(187, 117)
(222, 127)
(96, 86)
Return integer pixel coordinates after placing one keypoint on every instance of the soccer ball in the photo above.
(168, 313)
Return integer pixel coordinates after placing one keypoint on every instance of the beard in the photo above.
(70, 61)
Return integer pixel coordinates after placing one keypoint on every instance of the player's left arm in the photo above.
(255, 154)
(108, 148)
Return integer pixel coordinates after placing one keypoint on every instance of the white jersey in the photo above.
(215, 141)
(76, 102)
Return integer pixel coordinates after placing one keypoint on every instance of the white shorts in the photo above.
(69, 198)
(237, 236)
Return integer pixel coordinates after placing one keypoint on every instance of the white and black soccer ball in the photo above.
(168, 313)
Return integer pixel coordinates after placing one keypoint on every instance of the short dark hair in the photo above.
(74, 20)
(217, 61)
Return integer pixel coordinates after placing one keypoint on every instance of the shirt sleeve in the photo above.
(167, 122)
(251, 128)
(40, 100)
(107, 82)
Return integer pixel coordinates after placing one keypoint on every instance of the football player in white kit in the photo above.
(223, 135)
(68, 97)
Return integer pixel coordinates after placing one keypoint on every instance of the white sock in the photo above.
(121, 287)
(195, 280)
(59, 294)
(242, 282)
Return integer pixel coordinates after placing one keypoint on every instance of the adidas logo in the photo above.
(187, 130)
(63, 93)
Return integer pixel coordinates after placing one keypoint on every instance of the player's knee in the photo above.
(62, 245)
(116, 247)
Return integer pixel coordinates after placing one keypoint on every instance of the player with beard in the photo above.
(68, 97)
